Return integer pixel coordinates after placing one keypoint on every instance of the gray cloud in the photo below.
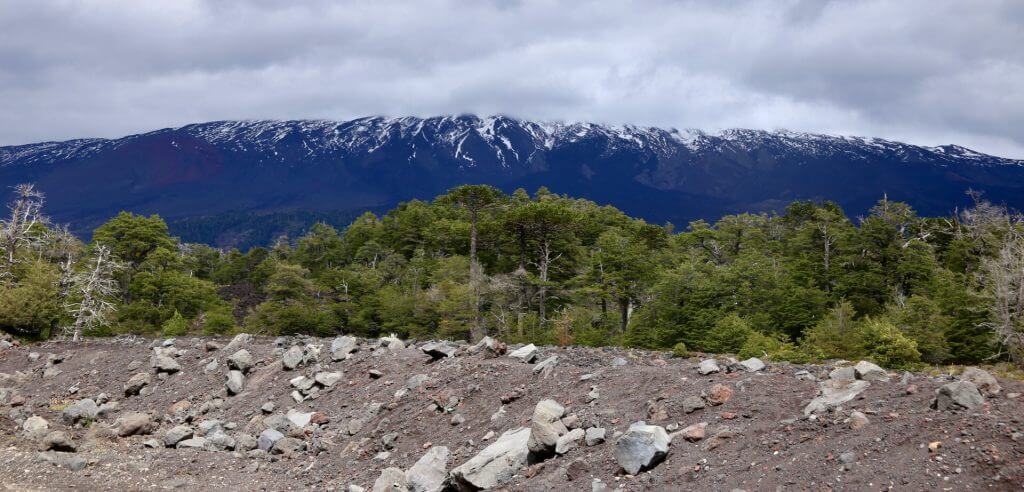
(924, 71)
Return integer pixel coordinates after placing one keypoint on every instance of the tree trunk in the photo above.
(476, 331)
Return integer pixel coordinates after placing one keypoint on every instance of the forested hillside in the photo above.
(809, 283)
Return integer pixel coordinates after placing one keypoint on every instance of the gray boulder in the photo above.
(268, 438)
(177, 434)
(569, 441)
(753, 364)
(80, 410)
(870, 372)
(835, 392)
(847, 373)
(428, 474)
(292, 358)
(288, 445)
(547, 366)
(327, 379)
(35, 427)
(241, 360)
(342, 346)
(165, 364)
(135, 423)
(495, 464)
(546, 427)
(641, 447)
(594, 436)
(58, 441)
(981, 378)
(235, 382)
(136, 383)
(240, 340)
(439, 350)
(960, 395)
(527, 353)
(391, 480)
(708, 366)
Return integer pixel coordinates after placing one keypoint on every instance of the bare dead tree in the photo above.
(21, 228)
(91, 292)
(1004, 277)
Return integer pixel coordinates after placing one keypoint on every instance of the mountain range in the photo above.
(242, 182)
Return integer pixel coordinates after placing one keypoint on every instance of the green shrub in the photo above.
(176, 326)
(680, 350)
(218, 322)
(772, 348)
(887, 346)
(728, 335)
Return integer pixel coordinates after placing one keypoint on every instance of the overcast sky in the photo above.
(923, 71)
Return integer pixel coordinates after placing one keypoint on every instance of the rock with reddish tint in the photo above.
(720, 394)
(858, 420)
(135, 423)
(695, 432)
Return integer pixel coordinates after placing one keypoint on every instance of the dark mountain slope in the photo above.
(269, 168)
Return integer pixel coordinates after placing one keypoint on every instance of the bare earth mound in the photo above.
(197, 414)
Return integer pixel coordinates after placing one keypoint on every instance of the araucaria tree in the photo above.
(92, 293)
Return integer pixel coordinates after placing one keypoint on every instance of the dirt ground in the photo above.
(763, 442)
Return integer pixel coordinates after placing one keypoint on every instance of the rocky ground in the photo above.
(348, 414)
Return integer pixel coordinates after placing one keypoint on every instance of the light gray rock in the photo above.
(302, 383)
(546, 426)
(58, 441)
(241, 360)
(165, 364)
(240, 340)
(135, 423)
(708, 366)
(527, 353)
(569, 441)
(753, 364)
(547, 366)
(416, 380)
(428, 474)
(981, 378)
(835, 392)
(177, 434)
(870, 372)
(80, 410)
(641, 447)
(292, 358)
(35, 427)
(847, 373)
(439, 350)
(391, 480)
(66, 460)
(489, 348)
(288, 445)
(327, 379)
(342, 346)
(960, 395)
(268, 438)
(235, 382)
(220, 441)
(192, 443)
(619, 361)
(299, 419)
(594, 436)
(392, 343)
(693, 403)
(495, 464)
(136, 383)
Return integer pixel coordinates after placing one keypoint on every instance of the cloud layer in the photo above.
(923, 71)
